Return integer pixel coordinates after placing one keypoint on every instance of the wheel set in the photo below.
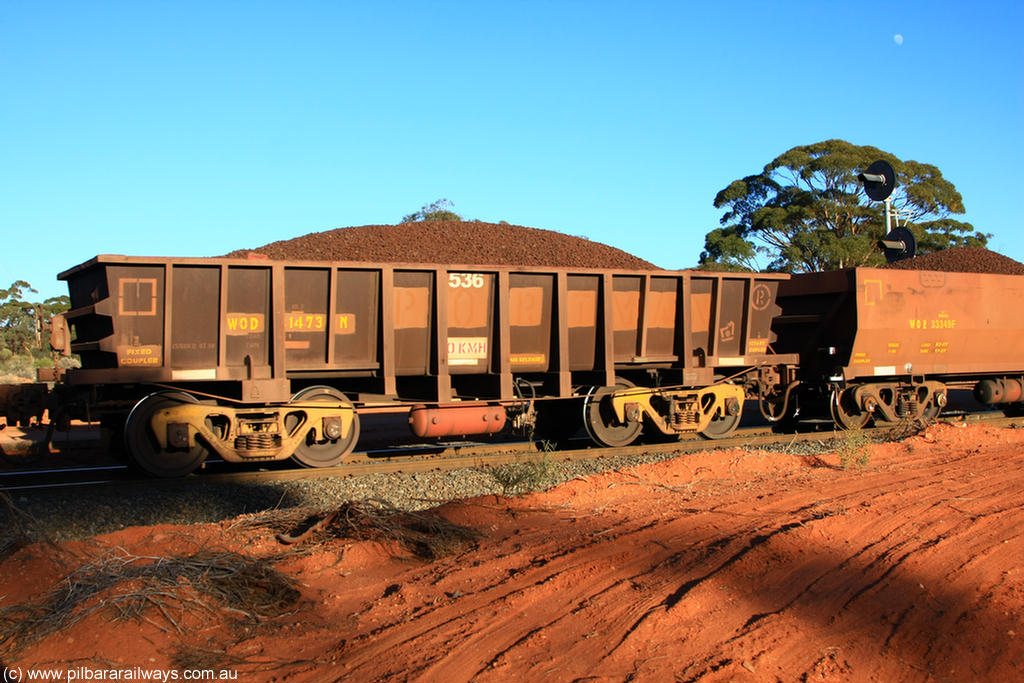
(144, 445)
(171, 433)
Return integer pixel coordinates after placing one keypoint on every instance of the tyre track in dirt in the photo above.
(886, 569)
(825, 556)
(712, 567)
(537, 577)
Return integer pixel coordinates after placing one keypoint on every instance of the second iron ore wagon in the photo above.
(889, 344)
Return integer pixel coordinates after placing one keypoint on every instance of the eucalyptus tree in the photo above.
(807, 211)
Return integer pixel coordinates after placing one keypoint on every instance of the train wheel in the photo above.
(845, 412)
(721, 427)
(316, 450)
(599, 418)
(143, 447)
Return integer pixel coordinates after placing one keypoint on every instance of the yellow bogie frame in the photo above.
(674, 411)
(272, 432)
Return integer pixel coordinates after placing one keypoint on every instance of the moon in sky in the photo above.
(898, 39)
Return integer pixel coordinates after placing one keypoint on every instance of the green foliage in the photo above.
(19, 366)
(806, 211)
(18, 331)
(441, 210)
(23, 346)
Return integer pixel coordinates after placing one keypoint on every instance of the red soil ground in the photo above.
(720, 566)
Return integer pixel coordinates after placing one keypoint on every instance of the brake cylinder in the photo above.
(435, 421)
(991, 391)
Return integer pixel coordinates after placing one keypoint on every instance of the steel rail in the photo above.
(454, 456)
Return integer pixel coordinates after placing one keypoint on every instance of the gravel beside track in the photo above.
(88, 511)
(85, 511)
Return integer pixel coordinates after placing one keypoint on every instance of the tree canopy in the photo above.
(21, 324)
(807, 211)
(441, 210)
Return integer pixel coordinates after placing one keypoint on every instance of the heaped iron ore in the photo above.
(963, 260)
(469, 242)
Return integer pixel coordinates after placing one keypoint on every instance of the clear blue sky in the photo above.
(194, 128)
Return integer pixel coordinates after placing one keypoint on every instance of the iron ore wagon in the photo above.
(889, 344)
(260, 360)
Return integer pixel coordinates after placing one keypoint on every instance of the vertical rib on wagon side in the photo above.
(254, 358)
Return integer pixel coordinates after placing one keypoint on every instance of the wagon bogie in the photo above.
(894, 402)
(886, 403)
(170, 433)
(712, 411)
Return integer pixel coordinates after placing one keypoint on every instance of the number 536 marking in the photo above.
(466, 280)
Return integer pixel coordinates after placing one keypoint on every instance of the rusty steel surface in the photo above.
(872, 322)
(408, 331)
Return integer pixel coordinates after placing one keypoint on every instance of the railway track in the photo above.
(421, 458)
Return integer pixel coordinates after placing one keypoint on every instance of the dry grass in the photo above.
(906, 428)
(158, 590)
(425, 535)
(171, 592)
(522, 477)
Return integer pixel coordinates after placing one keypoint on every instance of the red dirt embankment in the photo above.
(715, 567)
